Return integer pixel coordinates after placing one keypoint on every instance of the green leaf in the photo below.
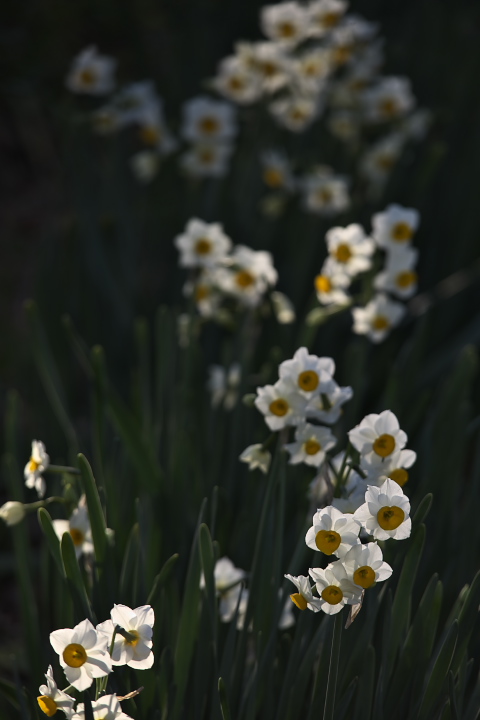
(438, 672)
(422, 510)
(222, 692)
(74, 578)
(7, 689)
(127, 574)
(162, 578)
(333, 668)
(52, 539)
(363, 707)
(95, 511)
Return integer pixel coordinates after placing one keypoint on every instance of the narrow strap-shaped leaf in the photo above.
(438, 672)
(52, 539)
(95, 510)
(333, 668)
(128, 567)
(161, 578)
(74, 578)
(222, 692)
(422, 510)
(453, 697)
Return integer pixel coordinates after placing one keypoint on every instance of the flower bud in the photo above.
(12, 512)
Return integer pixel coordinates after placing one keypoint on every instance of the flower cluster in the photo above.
(210, 126)
(87, 653)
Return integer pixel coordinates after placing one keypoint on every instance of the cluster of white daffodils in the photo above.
(306, 397)
(224, 278)
(87, 653)
(210, 126)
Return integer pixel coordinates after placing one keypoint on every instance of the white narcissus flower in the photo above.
(237, 80)
(136, 650)
(399, 276)
(202, 244)
(269, 61)
(395, 466)
(276, 170)
(256, 457)
(332, 532)
(132, 101)
(207, 159)
(52, 699)
(78, 527)
(83, 654)
(334, 587)
(311, 444)
(344, 125)
(395, 226)
(205, 119)
(377, 318)
(249, 275)
(327, 407)
(91, 73)
(12, 512)
(223, 385)
(310, 70)
(377, 437)
(281, 404)
(309, 374)
(325, 194)
(379, 160)
(283, 308)
(386, 512)
(331, 284)
(365, 565)
(38, 463)
(106, 708)
(389, 99)
(286, 23)
(145, 165)
(323, 15)
(304, 597)
(350, 249)
(295, 112)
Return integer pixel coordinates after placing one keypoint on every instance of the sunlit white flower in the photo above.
(207, 159)
(52, 699)
(225, 576)
(309, 374)
(332, 532)
(377, 318)
(134, 101)
(334, 588)
(249, 275)
(153, 130)
(344, 125)
(12, 512)
(106, 708)
(323, 15)
(295, 112)
(281, 404)
(381, 157)
(208, 120)
(237, 80)
(395, 467)
(325, 193)
(399, 276)
(38, 463)
(286, 23)
(78, 527)
(304, 597)
(256, 457)
(202, 244)
(389, 99)
(311, 444)
(365, 565)
(269, 60)
(136, 650)
(327, 406)
(350, 248)
(145, 165)
(83, 654)
(395, 227)
(91, 73)
(377, 437)
(386, 512)
(331, 284)
(310, 69)
(223, 385)
(276, 170)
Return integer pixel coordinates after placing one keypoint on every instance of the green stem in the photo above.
(62, 469)
(333, 668)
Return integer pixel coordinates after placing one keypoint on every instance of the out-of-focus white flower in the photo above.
(12, 512)
(344, 125)
(416, 125)
(380, 159)
(106, 708)
(287, 618)
(276, 170)
(394, 466)
(309, 374)
(310, 70)
(256, 457)
(377, 318)
(283, 308)
(83, 654)
(269, 61)
(327, 406)
(153, 131)
(331, 283)
(399, 276)
(38, 463)
(325, 193)
(323, 15)
(365, 565)
(395, 227)
(78, 527)
(145, 165)
(332, 532)
(377, 437)
(91, 73)
(389, 99)
(311, 444)
(334, 587)
(225, 575)
(224, 385)
(106, 120)
(304, 598)
(249, 275)
(136, 650)
(208, 120)
(281, 404)
(136, 100)
(52, 699)
(286, 23)
(207, 159)
(386, 512)
(296, 112)
(237, 80)
(350, 248)
(205, 293)
(202, 244)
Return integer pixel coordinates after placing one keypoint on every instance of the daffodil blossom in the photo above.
(323, 15)
(395, 466)
(377, 437)
(276, 170)
(91, 73)
(238, 81)
(281, 404)
(106, 708)
(208, 119)
(389, 99)
(304, 597)
(332, 532)
(136, 649)
(311, 444)
(327, 407)
(325, 193)
(399, 276)
(309, 374)
(365, 565)
(295, 112)
(377, 318)
(331, 284)
(334, 587)
(78, 526)
(286, 23)
(386, 512)
(52, 699)
(256, 457)
(350, 249)
(207, 159)
(38, 463)
(83, 654)
(202, 244)
(395, 226)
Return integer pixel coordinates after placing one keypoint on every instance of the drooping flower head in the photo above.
(136, 649)
(52, 699)
(38, 463)
(106, 708)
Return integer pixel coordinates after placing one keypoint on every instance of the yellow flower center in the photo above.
(380, 322)
(244, 279)
(149, 134)
(75, 655)
(209, 125)
(401, 232)
(33, 465)
(206, 156)
(406, 279)
(364, 576)
(327, 541)
(203, 246)
(298, 115)
(87, 77)
(77, 536)
(385, 162)
(47, 705)
(384, 445)
(134, 640)
(342, 54)
(343, 253)
(235, 82)
(388, 107)
(201, 292)
(323, 284)
(400, 476)
(324, 195)
(330, 19)
(286, 30)
(268, 68)
(332, 595)
(308, 380)
(312, 447)
(279, 407)
(273, 177)
(389, 518)
(299, 601)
